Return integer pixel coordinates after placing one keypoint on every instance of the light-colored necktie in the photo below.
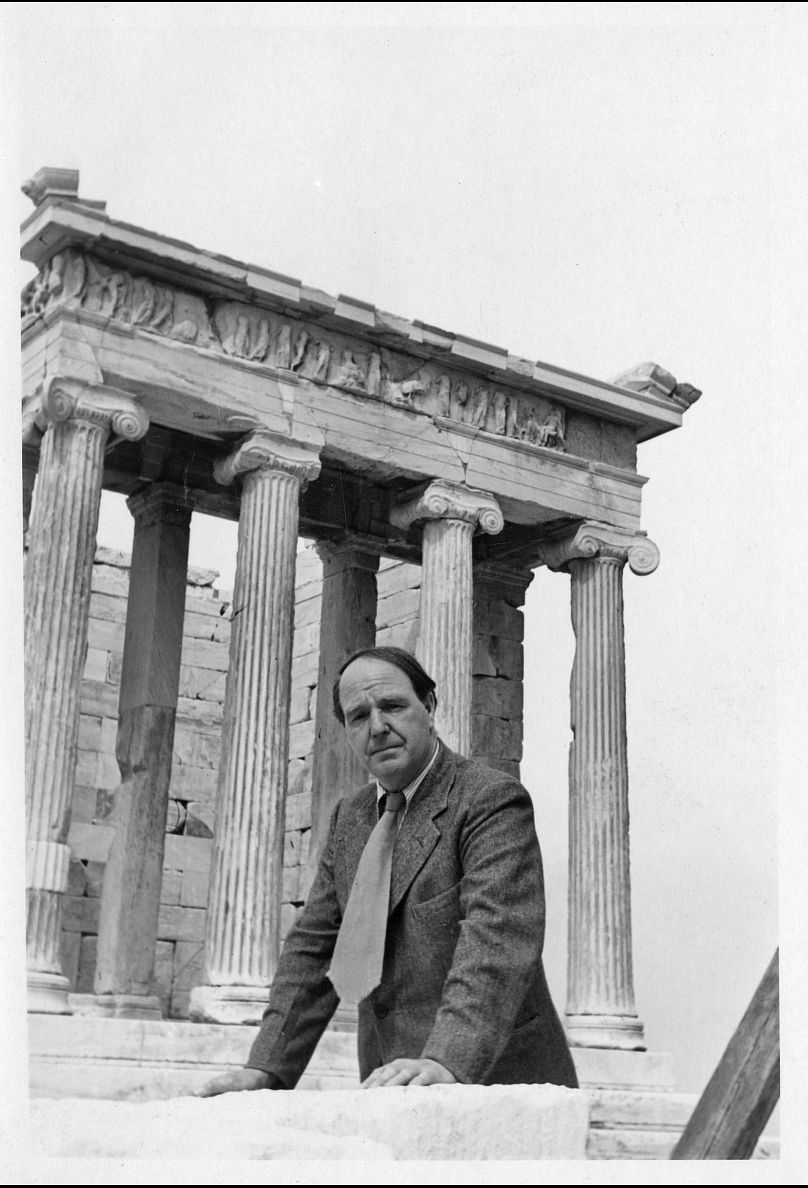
(356, 964)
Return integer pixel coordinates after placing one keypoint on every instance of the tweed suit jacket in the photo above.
(463, 981)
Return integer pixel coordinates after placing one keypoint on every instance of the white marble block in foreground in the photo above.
(439, 1122)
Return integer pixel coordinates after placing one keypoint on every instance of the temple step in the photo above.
(143, 1060)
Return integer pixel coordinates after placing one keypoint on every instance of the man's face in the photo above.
(389, 729)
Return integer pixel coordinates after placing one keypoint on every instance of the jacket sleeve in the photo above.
(498, 953)
(301, 998)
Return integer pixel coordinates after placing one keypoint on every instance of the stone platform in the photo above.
(440, 1122)
(634, 1112)
(144, 1060)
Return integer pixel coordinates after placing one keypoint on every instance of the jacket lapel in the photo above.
(419, 834)
(366, 815)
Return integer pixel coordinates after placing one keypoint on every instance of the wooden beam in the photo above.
(745, 1087)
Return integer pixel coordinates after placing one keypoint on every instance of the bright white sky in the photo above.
(590, 185)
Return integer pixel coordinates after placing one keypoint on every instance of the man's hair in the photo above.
(420, 679)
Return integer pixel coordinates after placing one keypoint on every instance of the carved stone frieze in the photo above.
(75, 279)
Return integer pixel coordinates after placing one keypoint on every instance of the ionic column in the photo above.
(150, 672)
(347, 623)
(244, 906)
(451, 513)
(600, 984)
(61, 546)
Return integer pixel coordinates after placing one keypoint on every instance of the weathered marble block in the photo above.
(231, 1127)
(472, 1122)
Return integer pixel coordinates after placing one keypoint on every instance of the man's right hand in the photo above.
(235, 1082)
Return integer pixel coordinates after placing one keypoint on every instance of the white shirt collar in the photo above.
(412, 788)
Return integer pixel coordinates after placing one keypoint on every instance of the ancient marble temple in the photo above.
(194, 383)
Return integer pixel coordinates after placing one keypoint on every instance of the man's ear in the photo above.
(431, 701)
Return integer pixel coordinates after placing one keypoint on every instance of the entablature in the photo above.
(213, 350)
(166, 286)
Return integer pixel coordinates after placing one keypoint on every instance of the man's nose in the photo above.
(378, 722)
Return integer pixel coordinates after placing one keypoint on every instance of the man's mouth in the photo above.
(384, 750)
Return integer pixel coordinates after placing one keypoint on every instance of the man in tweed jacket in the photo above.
(463, 995)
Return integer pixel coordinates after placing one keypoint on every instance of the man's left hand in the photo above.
(409, 1072)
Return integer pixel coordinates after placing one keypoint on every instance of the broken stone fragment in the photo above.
(685, 394)
(647, 377)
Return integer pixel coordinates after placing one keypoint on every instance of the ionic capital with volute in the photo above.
(262, 450)
(109, 408)
(591, 539)
(442, 500)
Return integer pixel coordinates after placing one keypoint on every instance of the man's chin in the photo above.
(386, 764)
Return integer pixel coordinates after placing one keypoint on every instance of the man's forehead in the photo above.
(373, 678)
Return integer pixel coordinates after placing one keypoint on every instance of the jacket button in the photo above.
(382, 1011)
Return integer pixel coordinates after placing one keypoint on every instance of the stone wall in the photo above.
(181, 927)
(497, 739)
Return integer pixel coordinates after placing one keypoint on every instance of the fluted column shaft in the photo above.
(599, 976)
(150, 672)
(61, 547)
(444, 641)
(244, 906)
(600, 986)
(347, 623)
(452, 513)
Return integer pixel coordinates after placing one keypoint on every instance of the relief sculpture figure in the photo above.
(374, 381)
(299, 352)
(34, 300)
(143, 300)
(460, 399)
(75, 276)
(185, 331)
(103, 290)
(315, 360)
(261, 347)
(551, 433)
(513, 427)
(283, 346)
(56, 275)
(164, 310)
(403, 394)
(530, 428)
(349, 374)
(240, 342)
(479, 407)
(500, 411)
(321, 361)
(442, 394)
